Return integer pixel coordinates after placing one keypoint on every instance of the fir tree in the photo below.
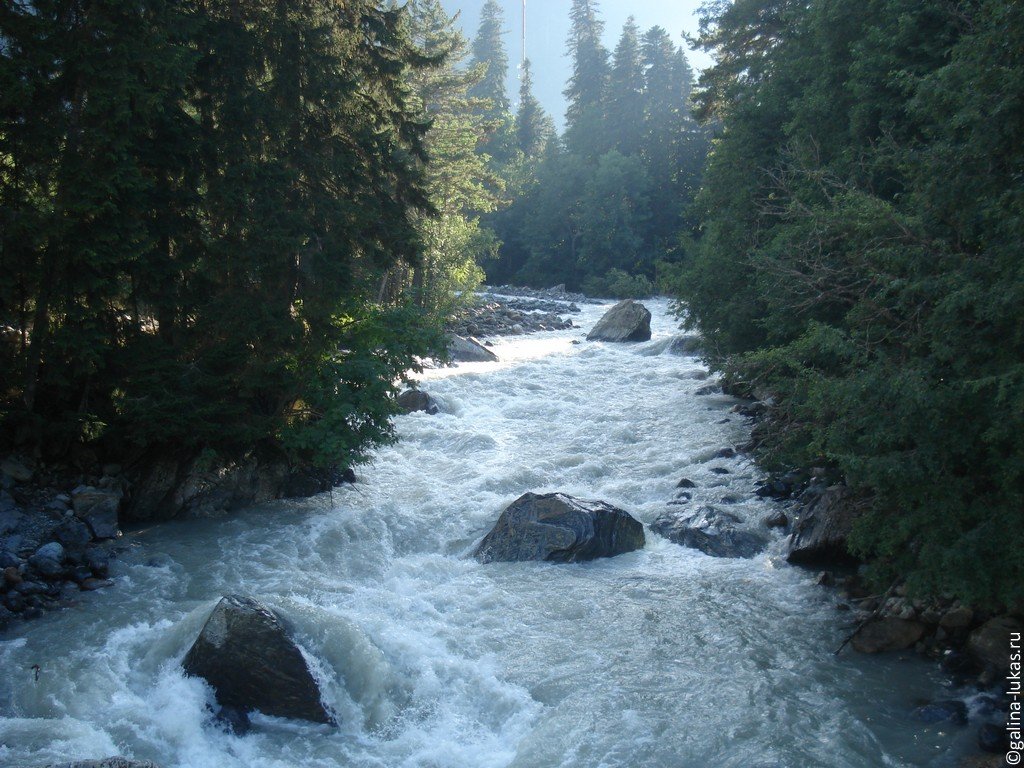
(533, 127)
(626, 92)
(587, 88)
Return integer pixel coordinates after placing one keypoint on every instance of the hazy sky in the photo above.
(547, 26)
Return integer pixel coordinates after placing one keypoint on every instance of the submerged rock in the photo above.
(414, 400)
(626, 321)
(819, 536)
(245, 654)
(888, 634)
(950, 711)
(466, 349)
(686, 346)
(559, 528)
(711, 531)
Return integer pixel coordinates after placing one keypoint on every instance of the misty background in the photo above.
(547, 27)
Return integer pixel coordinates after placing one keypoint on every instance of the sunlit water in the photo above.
(662, 658)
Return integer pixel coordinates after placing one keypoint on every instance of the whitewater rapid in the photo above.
(661, 658)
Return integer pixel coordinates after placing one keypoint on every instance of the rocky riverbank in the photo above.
(818, 511)
(497, 313)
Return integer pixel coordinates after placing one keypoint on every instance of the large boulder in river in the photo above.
(415, 400)
(466, 349)
(561, 529)
(819, 536)
(626, 321)
(713, 531)
(244, 652)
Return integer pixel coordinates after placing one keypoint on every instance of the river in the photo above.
(661, 658)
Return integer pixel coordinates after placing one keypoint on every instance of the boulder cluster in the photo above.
(54, 546)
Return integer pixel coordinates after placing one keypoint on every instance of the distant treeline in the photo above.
(861, 259)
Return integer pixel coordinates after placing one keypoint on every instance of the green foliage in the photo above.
(859, 258)
(198, 202)
(616, 284)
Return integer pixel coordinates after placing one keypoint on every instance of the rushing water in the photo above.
(662, 658)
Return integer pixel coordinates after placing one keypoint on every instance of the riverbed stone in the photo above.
(951, 711)
(466, 349)
(777, 519)
(686, 346)
(556, 527)
(626, 321)
(16, 469)
(415, 400)
(820, 534)
(74, 536)
(710, 530)
(245, 653)
(98, 508)
(887, 634)
(48, 560)
(989, 644)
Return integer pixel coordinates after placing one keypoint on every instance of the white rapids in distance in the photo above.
(661, 658)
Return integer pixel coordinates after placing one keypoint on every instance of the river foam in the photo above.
(661, 658)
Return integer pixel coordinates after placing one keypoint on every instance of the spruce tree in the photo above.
(585, 127)
(533, 127)
(488, 51)
(626, 92)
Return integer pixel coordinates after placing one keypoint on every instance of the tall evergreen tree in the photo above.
(534, 128)
(588, 83)
(626, 92)
(488, 51)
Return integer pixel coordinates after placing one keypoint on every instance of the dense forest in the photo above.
(235, 227)
(860, 261)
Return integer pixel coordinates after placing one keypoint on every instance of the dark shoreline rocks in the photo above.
(107, 762)
(245, 653)
(558, 528)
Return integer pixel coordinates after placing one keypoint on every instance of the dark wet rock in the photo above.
(9, 559)
(776, 520)
(108, 762)
(731, 500)
(887, 634)
(170, 487)
(6, 616)
(91, 584)
(719, 471)
(989, 644)
(48, 560)
(957, 618)
(626, 321)
(993, 739)
(12, 576)
(414, 400)
(74, 535)
(558, 528)
(711, 531)
(14, 602)
(726, 453)
(97, 559)
(685, 483)
(686, 346)
(234, 720)
(99, 509)
(10, 519)
(773, 489)
(708, 389)
(16, 469)
(942, 712)
(820, 534)
(244, 652)
(468, 350)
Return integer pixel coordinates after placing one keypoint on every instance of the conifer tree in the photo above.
(533, 127)
(587, 88)
(488, 51)
(626, 92)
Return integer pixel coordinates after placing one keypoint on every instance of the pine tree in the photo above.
(585, 129)
(626, 92)
(533, 127)
(488, 51)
